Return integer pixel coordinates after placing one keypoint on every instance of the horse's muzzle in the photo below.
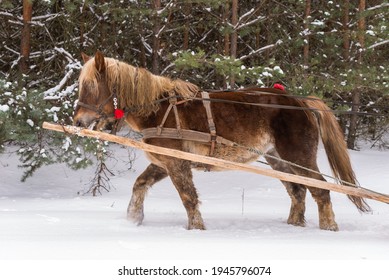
(84, 120)
(93, 123)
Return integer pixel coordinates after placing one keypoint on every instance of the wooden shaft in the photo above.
(362, 192)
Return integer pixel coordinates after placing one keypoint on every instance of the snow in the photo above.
(48, 212)
(266, 74)
(30, 122)
(278, 69)
(4, 108)
(317, 22)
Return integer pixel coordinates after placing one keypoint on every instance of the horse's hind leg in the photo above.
(326, 214)
(181, 175)
(296, 192)
(149, 177)
(296, 138)
(321, 196)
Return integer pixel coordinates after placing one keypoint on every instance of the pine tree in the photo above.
(26, 36)
(212, 43)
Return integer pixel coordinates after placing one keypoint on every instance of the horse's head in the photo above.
(95, 105)
(105, 80)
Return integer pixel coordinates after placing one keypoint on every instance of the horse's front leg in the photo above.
(149, 177)
(181, 175)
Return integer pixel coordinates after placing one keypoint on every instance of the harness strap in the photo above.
(186, 134)
(211, 123)
(178, 122)
(173, 105)
(159, 127)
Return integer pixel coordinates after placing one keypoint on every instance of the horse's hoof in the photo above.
(196, 225)
(135, 218)
(196, 222)
(331, 227)
(199, 227)
(296, 222)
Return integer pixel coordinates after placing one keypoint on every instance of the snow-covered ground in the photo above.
(45, 217)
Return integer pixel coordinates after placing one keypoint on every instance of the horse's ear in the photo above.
(85, 57)
(99, 61)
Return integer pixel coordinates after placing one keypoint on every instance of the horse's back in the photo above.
(255, 120)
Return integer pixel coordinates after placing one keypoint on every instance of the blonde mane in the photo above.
(134, 87)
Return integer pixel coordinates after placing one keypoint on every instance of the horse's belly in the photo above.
(235, 154)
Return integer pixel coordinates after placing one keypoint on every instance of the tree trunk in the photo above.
(346, 31)
(82, 27)
(187, 10)
(361, 28)
(156, 5)
(307, 16)
(352, 132)
(356, 95)
(234, 36)
(25, 45)
(226, 37)
(142, 54)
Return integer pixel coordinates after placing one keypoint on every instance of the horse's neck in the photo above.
(139, 122)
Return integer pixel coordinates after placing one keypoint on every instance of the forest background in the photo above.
(337, 50)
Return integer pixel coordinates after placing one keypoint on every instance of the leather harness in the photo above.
(184, 134)
(171, 133)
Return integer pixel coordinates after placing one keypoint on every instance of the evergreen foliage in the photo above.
(190, 40)
(23, 112)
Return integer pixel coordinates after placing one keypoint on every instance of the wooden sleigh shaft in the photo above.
(356, 191)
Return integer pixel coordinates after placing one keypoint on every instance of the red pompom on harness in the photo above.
(279, 86)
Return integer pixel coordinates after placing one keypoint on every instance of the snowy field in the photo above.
(46, 219)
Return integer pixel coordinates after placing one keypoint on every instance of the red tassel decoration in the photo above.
(279, 86)
(118, 114)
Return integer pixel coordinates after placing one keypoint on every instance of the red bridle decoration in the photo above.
(118, 113)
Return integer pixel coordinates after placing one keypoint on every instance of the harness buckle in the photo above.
(173, 100)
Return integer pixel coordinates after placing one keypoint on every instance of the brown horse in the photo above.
(256, 120)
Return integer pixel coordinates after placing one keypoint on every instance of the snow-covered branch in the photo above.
(58, 91)
(205, 36)
(36, 20)
(260, 50)
(146, 45)
(68, 56)
(6, 14)
(11, 50)
(258, 19)
(378, 44)
(50, 93)
(16, 22)
(242, 22)
(158, 35)
(383, 5)
(167, 67)
(47, 17)
(369, 48)
(168, 6)
(248, 14)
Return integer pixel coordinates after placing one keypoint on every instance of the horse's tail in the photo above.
(336, 149)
